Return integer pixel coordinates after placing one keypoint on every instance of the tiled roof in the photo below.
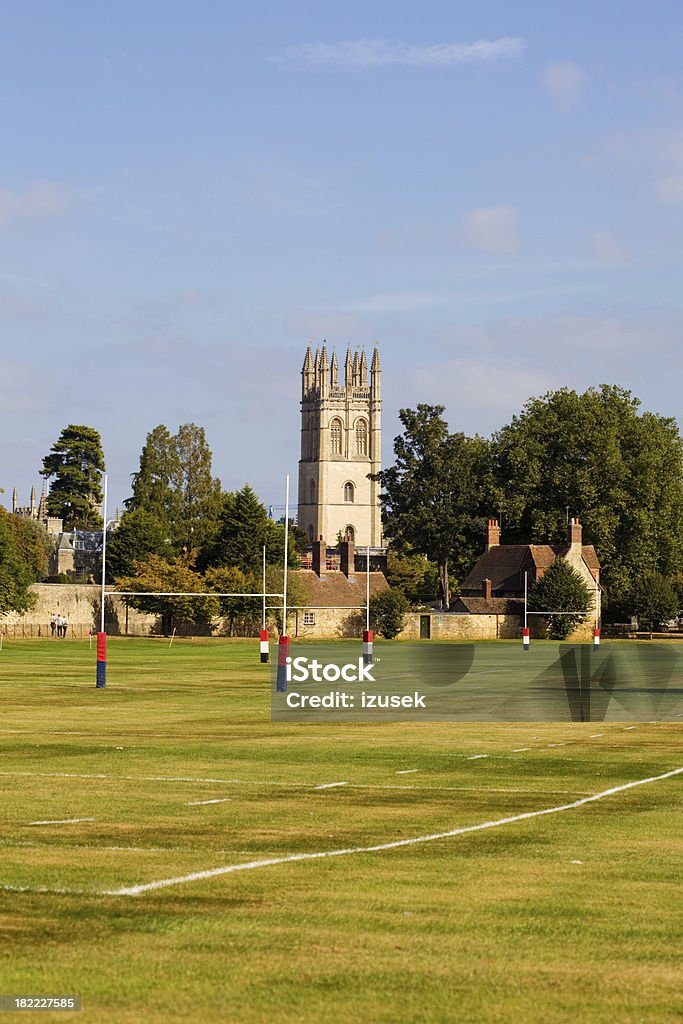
(503, 565)
(492, 606)
(335, 590)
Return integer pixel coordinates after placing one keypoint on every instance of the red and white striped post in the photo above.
(596, 638)
(525, 639)
(265, 651)
(367, 646)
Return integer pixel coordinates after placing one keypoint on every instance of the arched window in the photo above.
(336, 437)
(312, 492)
(361, 437)
(349, 492)
(350, 533)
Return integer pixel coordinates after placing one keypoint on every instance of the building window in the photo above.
(361, 438)
(336, 437)
(309, 618)
(312, 492)
(349, 492)
(350, 533)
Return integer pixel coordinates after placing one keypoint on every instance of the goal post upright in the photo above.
(263, 640)
(283, 643)
(101, 675)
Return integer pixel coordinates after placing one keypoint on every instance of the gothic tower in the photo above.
(340, 445)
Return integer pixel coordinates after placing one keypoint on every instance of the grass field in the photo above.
(176, 769)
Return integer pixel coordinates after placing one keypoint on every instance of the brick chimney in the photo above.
(319, 556)
(575, 533)
(492, 534)
(486, 589)
(347, 556)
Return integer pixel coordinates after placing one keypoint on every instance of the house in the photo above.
(496, 583)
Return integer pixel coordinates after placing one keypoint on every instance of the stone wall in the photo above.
(79, 604)
(461, 626)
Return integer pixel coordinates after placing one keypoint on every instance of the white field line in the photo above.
(407, 771)
(293, 785)
(60, 821)
(476, 757)
(331, 785)
(216, 800)
(134, 890)
(520, 749)
(596, 735)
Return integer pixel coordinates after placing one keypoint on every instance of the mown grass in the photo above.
(569, 917)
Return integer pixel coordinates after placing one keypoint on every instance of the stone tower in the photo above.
(340, 445)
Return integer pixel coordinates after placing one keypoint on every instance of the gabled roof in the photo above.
(503, 564)
(492, 606)
(335, 590)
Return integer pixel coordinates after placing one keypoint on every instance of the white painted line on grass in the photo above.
(134, 890)
(60, 821)
(331, 785)
(476, 757)
(407, 771)
(628, 727)
(217, 800)
(520, 749)
(596, 735)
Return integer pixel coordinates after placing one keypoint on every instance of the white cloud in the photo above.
(607, 249)
(564, 82)
(372, 53)
(492, 229)
(43, 200)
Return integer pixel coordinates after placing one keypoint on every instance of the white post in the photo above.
(263, 623)
(284, 585)
(525, 637)
(367, 589)
(596, 631)
(104, 548)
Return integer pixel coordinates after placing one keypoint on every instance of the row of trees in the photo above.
(23, 560)
(592, 455)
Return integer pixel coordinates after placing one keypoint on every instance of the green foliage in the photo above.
(437, 492)
(32, 542)
(560, 589)
(243, 529)
(155, 574)
(619, 471)
(414, 575)
(16, 573)
(139, 534)
(387, 613)
(654, 599)
(174, 484)
(75, 465)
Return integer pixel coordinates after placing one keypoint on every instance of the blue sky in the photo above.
(492, 192)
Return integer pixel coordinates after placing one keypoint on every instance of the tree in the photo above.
(32, 542)
(654, 599)
(140, 533)
(414, 575)
(437, 493)
(174, 484)
(16, 573)
(243, 529)
(387, 613)
(75, 465)
(155, 574)
(596, 456)
(560, 589)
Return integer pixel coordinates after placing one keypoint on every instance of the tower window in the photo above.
(312, 492)
(350, 533)
(336, 437)
(349, 492)
(361, 438)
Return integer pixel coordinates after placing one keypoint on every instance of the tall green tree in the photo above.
(175, 484)
(32, 542)
(243, 529)
(437, 493)
(139, 534)
(561, 589)
(16, 571)
(75, 465)
(595, 455)
(654, 599)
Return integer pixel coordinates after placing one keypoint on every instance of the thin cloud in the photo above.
(374, 53)
(564, 82)
(493, 229)
(43, 200)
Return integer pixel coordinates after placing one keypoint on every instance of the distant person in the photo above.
(60, 622)
(65, 626)
(53, 625)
